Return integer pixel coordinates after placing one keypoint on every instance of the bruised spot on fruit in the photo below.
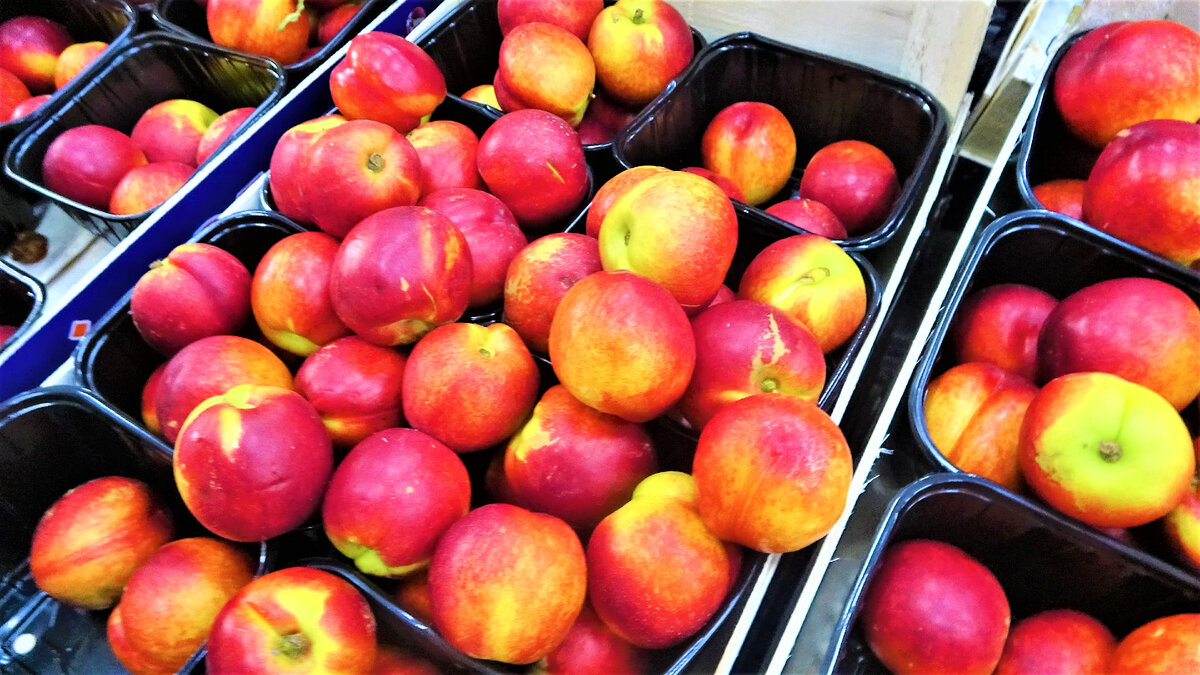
(567, 282)
(375, 163)
(1110, 451)
(554, 171)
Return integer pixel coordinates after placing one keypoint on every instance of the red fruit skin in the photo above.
(147, 186)
(447, 153)
(638, 48)
(13, 93)
(1058, 641)
(1000, 325)
(289, 164)
(810, 215)
(355, 387)
(1063, 196)
(334, 20)
(539, 276)
(395, 494)
(197, 291)
(574, 16)
(492, 235)
(255, 26)
(289, 293)
(29, 49)
(753, 145)
(27, 106)
(545, 67)
(387, 79)
(1127, 72)
(150, 400)
(391, 660)
(612, 190)
(856, 180)
(220, 131)
(592, 647)
(1143, 189)
(85, 163)
(1163, 646)
(930, 607)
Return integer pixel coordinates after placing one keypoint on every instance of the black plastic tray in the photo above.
(21, 300)
(1042, 559)
(187, 17)
(51, 440)
(1042, 249)
(824, 98)
(111, 21)
(1048, 150)
(150, 68)
(466, 47)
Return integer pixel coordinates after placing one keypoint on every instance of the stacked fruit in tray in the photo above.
(38, 56)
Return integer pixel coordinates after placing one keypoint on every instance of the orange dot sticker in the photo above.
(79, 329)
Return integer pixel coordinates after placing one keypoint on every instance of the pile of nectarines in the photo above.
(38, 56)
(288, 31)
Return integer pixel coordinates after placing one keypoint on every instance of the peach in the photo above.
(746, 347)
(492, 235)
(470, 386)
(289, 293)
(85, 163)
(612, 190)
(507, 584)
(387, 79)
(639, 46)
(539, 276)
(276, 29)
(253, 462)
(676, 229)
(1127, 72)
(171, 131)
(400, 273)
(814, 282)
(30, 47)
(147, 186)
(392, 498)
(209, 367)
(856, 180)
(544, 66)
(197, 291)
(999, 325)
(809, 215)
(447, 153)
(222, 128)
(90, 541)
(355, 387)
(621, 344)
(973, 413)
(574, 462)
(753, 145)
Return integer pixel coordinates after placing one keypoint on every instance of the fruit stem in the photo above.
(294, 16)
(638, 17)
(294, 645)
(1110, 451)
(375, 162)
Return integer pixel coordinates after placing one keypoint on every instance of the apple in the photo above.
(809, 215)
(149, 400)
(546, 67)
(772, 473)
(856, 180)
(1142, 189)
(639, 46)
(1127, 72)
(753, 145)
(27, 106)
(1058, 640)
(89, 542)
(612, 190)
(355, 387)
(591, 647)
(746, 347)
(170, 602)
(656, 574)
(30, 47)
(931, 607)
(253, 462)
(392, 498)
(209, 367)
(333, 21)
(388, 79)
(814, 282)
(85, 163)
(358, 168)
(676, 229)
(13, 93)
(574, 16)
(492, 234)
(507, 584)
(1064, 196)
(533, 161)
(289, 162)
(296, 619)
(1105, 451)
(197, 291)
(1164, 645)
(219, 131)
(574, 462)
(484, 94)
(1145, 330)
(973, 413)
(470, 386)
(400, 273)
(276, 29)
(289, 293)
(147, 186)
(999, 324)
(539, 276)
(621, 344)
(447, 153)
